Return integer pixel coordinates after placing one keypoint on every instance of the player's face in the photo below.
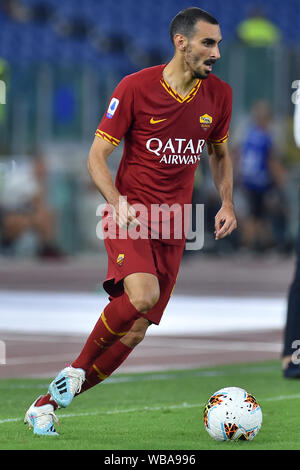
(202, 49)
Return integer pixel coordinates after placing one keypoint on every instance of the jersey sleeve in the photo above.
(220, 132)
(119, 114)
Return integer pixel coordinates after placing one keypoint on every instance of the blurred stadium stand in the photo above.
(61, 60)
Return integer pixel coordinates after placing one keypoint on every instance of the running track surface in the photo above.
(43, 356)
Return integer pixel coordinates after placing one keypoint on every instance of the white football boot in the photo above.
(41, 419)
(66, 385)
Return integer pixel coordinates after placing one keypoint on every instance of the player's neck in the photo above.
(179, 77)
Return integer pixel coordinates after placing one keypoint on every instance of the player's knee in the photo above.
(143, 300)
(143, 291)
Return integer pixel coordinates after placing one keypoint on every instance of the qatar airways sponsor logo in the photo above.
(177, 151)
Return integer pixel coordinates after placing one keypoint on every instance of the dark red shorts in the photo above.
(143, 256)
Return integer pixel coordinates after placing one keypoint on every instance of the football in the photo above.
(232, 414)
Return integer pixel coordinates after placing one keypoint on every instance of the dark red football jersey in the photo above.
(164, 134)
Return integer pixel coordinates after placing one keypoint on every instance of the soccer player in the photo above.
(165, 114)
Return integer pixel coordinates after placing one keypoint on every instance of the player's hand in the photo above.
(225, 222)
(124, 214)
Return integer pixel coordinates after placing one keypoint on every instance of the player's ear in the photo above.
(180, 42)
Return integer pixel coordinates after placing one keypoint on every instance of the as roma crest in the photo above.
(205, 121)
(120, 259)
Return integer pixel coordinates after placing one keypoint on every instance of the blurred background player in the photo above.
(261, 177)
(291, 360)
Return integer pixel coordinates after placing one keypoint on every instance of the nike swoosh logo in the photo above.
(155, 121)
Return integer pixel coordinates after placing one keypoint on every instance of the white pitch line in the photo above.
(150, 408)
(282, 397)
(114, 412)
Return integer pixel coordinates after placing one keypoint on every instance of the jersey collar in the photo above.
(176, 95)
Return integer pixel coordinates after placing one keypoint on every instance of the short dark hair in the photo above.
(184, 22)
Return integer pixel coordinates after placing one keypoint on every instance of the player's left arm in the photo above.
(222, 173)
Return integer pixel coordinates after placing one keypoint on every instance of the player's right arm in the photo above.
(114, 125)
(101, 176)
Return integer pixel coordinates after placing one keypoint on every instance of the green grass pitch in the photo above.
(158, 411)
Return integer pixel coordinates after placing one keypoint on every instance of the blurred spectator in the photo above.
(27, 224)
(258, 31)
(261, 178)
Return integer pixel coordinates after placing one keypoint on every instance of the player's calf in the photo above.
(136, 333)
